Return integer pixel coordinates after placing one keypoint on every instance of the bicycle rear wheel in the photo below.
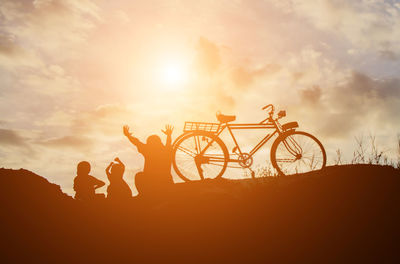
(199, 155)
(297, 152)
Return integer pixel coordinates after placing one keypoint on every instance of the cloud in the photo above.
(104, 120)
(311, 95)
(121, 17)
(9, 137)
(389, 54)
(359, 103)
(243, 77)
(218, 72)
(14, 57)
(74, 142)
(90, 130)
(8, 47)
(208, 57)
(371, 25)
(363, 85)
(49, 25)
(39, 40)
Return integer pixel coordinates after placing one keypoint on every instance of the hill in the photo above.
(341, 214)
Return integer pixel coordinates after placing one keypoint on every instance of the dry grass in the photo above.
(338, 159)
(265, 171)
(367, 151)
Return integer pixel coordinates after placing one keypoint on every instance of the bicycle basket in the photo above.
(201, 126)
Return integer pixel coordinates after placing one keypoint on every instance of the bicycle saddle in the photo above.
(226, 118)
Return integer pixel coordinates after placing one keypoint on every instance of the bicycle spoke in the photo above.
(187, 151)
(197, 144)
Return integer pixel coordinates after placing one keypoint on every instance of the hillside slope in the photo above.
(340, 214)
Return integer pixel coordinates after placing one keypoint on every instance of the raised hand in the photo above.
(131, 138)
(119, 162)
(126, 131)
(108, 169)
(168, 130)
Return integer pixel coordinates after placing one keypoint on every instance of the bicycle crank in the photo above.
(245, 160)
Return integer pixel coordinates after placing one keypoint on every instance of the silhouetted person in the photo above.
(156, 177)
(85, 185)
(118, 189)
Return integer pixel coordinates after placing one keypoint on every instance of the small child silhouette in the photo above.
(85, 185)
(118, 188)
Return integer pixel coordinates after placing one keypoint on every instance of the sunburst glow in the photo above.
(173, 74)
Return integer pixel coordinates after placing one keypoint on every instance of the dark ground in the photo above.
(343, 214)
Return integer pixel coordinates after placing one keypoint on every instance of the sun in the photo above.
(173, 74)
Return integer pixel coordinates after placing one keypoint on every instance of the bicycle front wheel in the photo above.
(199, 155)
(297, 152)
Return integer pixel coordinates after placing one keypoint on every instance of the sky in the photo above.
(73, 72)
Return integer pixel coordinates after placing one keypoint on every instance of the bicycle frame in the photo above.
(270, 124)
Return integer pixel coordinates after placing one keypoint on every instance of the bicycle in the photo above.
(199, 153)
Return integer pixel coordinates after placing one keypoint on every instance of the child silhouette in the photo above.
(118, 188)
(156, 176)
(85, 185)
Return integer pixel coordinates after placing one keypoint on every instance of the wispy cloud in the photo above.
(368, 25)
(11, 138)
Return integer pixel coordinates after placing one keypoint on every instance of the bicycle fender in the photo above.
(290, 126)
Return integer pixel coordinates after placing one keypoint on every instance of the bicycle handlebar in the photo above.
(271, 112)
(269, 106)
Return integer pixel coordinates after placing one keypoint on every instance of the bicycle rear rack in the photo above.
(201, 126)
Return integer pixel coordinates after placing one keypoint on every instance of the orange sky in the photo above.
(74, 71)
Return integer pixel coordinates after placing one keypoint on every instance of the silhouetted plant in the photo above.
(265, 171)
(338, 158)
(359, 152)
(376, 155)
